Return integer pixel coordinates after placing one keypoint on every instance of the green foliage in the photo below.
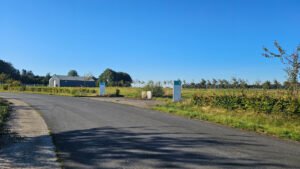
(72, 73)
(117, 92)
(267, 85)
(235, 84)
(3, 77)
(112, 78)
(279, 124)
(293, 64)
(8, 74)
(4, 111)
(9, 70)
(156, 89)
(262, 103)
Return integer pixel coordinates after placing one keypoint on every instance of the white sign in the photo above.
(102, 89)
(177, 91)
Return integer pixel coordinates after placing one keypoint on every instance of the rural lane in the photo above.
(95, 134)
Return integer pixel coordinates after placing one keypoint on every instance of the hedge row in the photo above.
(260, 103)
(79, 91)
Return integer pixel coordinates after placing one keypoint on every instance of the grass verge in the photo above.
(279, 125)
(4, 113)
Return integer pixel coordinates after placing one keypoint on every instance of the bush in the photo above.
(259, 103)
(156, 89)
(117, 92)
(5, 87)
(4, 111)
(15, 83)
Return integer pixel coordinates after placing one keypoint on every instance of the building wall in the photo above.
(75, 83)
(54, 81)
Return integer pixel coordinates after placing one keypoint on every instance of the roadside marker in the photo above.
(177, 91)
(102, 89)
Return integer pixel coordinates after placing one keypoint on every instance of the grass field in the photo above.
(264, 111)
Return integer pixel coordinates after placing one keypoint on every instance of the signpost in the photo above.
(177, 91)
(102, 89)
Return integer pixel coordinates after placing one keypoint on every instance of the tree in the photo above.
(226, 83)
(72, 73)
(214, 83)
(203, 83)
(242, 83)
(112, 78)
(291, 60)
(267, 85)
(221, 83)
(235, 83)
(45, 79)
(3, 77)
(208, 84)
(8, 69)
(276, 84)
(257, 84)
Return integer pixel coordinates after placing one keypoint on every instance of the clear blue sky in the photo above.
(149, 39)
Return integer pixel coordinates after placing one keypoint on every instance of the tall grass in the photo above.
(279, 124)
(4, 111)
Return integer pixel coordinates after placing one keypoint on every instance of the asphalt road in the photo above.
(94, 134)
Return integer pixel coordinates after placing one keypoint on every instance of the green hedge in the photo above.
(68, 91)
(260, 103)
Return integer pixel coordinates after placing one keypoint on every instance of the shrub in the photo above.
(156, 89)
(117, 92)
(5, 87)
(257, 103)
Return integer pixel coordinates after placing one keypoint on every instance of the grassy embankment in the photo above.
(270, 112)
(264, 111)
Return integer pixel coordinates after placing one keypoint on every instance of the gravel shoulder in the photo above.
(27, 143)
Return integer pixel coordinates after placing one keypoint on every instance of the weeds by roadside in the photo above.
(4, 112)
(280, 124)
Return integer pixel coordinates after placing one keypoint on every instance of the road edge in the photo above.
(42, 121)
(57, 153)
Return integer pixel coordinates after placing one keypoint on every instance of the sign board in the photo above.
(177, 91)
(102, 89)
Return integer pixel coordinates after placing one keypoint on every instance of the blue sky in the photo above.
(149, 39)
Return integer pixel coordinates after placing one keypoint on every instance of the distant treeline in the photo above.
(8, 74)
(235, 83)
(11, 75)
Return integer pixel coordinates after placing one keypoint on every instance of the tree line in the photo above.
(8, 74)
(235, 83)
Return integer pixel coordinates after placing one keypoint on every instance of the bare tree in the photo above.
(88, 76)
(292, 62)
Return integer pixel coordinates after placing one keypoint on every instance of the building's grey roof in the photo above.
(77, 78)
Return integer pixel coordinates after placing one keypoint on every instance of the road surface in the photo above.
(94, 134)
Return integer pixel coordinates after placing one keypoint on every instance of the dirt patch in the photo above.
(129, 101)
(27, 143)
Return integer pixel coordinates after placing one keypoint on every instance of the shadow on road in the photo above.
(109, 147)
